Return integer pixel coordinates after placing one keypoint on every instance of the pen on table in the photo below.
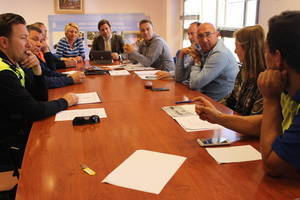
(150, 76)
(178, 102)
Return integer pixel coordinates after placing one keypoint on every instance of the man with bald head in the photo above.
(185, 58)
(215, 75)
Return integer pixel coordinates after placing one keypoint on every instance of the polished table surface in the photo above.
(51, 166)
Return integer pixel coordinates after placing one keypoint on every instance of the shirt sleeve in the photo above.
(21, 101)
(287, 145)
(81, 48)
(212, 68)
(153, 52)
(60, 49)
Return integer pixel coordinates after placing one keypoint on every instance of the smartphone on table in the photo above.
(217, 141)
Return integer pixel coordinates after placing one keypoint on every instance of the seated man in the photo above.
(53, 79)
(185, 58)
(23, 100)
(279, 125)
(107, 41)
(153, 52)
(215, 76)
(46, 55)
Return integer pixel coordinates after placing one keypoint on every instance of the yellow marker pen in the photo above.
(87, 170)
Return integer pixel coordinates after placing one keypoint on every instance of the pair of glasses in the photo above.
(205, 35)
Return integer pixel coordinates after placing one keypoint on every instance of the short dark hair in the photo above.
(102, 22)
(33, 28)
(38, 24)
(284, 36)
(144, 21)
(7, 20)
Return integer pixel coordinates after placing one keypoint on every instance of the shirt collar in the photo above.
(108, 38)
(6, 60)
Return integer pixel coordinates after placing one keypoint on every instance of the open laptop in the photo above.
(101, 57)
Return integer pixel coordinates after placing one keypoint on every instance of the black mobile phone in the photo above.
(93, 119)
(218, 141)
(160, 89)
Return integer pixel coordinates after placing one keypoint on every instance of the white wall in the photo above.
(269, 8)
(38, 10)
(165, 14)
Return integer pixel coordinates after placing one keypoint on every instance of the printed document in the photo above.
(137, 67)
(147, 75)
(187, 118)
(146, 171)
(71, 114)
(234, 154)
(119, 73)
(89, 97)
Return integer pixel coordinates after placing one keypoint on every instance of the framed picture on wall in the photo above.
(68, 6)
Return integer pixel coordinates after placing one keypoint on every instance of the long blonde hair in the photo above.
(251, 39)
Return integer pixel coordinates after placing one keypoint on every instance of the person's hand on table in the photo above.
(206, 110)
(162, 74)
(78, 77)
(71, 99)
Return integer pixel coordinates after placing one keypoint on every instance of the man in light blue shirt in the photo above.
(185, 57)
(215, 75)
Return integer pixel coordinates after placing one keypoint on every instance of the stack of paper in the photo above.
(186, 116)
(119, 73)
(147, 75)
(137, 67)
(146, 171)
(234, 154)
(71, 114)
(90, 97)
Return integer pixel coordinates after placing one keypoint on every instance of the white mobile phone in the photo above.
(218, 141)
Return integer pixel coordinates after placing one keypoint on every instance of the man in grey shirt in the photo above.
(215, 76)
(153, 51)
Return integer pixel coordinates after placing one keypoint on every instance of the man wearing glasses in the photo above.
(215, 75)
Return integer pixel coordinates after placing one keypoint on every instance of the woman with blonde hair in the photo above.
(71, 46)
(246, 98)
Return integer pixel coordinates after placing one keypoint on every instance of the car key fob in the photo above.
(93, 119)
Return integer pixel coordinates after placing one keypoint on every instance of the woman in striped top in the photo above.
(71, 46)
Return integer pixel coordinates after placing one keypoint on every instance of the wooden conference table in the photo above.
(51, 166)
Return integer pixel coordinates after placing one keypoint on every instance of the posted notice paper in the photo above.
(234, 154)
(71, 114)
(146, 171)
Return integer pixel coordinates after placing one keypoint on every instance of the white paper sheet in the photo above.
(180, 111)
(187, 118)
(146, 171)
(69, 72)
(71, 114)
(119, 73)
(147, 75)
(89, 97)
(194, 123)
(137, 67)
(234, 154)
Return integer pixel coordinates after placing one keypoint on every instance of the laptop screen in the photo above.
(99, 56)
